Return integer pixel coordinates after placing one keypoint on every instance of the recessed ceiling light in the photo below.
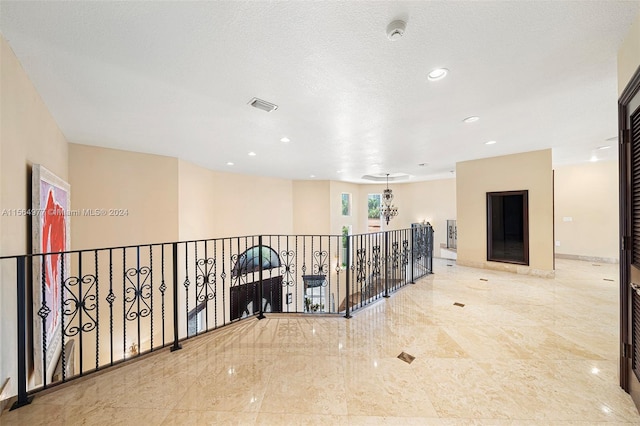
(490, 143)
(471, 119)
(285, 140)
(437, 74)
(422, 164)
(593, 159)
(229, 163)
(600, 148)
(252, 154)
(312, 176)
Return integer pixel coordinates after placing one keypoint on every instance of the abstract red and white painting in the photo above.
(50, 227)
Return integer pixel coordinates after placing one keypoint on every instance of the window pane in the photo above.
(373, 213)
(346, 204)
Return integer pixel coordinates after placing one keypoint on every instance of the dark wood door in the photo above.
(629, 158)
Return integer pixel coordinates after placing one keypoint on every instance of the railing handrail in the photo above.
(168, 243)
(72, 293)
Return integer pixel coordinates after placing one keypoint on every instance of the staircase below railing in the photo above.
(106, 306)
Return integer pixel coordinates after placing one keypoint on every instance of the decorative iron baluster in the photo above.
(223, 275)
(124, 305)
(137, 293)
(43, 313)
(162, 288)
(215, 274)
(420, 237)
(338, 241)
(205, 279)
(186, 285)
(304, 255)
(288, 269)
(405, 258)
(376, 261)
(321, 264)
(151, 291)
(369, 275)
(95, 254)
(84, 303)
(110, 299)
(395, 255)
(62, 327)
(206, 314)
(361, 277)
(234, 262)
(296, 281)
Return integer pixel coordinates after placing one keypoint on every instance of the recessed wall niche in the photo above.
(508, 227)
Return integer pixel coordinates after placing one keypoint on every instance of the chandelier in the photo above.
(388, 210)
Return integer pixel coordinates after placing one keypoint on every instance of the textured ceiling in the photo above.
(174, 78)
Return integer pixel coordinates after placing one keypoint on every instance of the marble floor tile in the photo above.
(522, 351)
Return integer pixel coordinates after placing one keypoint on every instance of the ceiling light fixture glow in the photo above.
(251, 154)
(229, 163)
(437, 74)
(593, 158)
(490, 143)
(285, 139)
(471, 119)
(312, 176)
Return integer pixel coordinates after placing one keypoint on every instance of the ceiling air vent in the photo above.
(263, 105)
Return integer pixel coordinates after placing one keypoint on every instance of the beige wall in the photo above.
(358, 210)
(249, 205)
(311, 207)
(144, 185)
(629, 55)
(196, 202)
(433, 201)
(188, 201)
(531, 171)
(587, 195)
(28, 135)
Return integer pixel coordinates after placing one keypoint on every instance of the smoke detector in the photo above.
(395, 30)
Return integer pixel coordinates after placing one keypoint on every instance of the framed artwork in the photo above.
(51, 200)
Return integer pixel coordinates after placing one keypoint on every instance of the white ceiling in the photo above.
(174, 78)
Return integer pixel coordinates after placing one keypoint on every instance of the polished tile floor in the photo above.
(522, 351)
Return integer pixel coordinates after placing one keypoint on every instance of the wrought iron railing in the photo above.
(92, 309)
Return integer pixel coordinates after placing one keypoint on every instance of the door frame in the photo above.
(628, 382)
